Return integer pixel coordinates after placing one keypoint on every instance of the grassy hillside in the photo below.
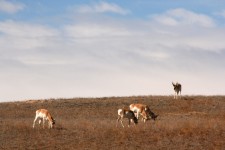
(194, 122)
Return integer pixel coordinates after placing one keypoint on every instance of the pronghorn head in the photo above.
(177, 86)
(153, 116)
(53, 121)
(150, 113)
(174, 84)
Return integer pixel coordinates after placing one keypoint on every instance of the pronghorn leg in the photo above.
(137, 115)
(43, 123)
(39, 121)
(128, 122)
(49, 125)
(121, 120)
(132, 120)
(144, 120)
(34, 121)
(118, 119)
(175, 95)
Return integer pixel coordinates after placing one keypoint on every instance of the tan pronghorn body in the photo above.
(126, 113)
(177, 89)
(42, 115)
(143, 110)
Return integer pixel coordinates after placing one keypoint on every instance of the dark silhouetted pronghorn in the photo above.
(177, 89)
(143, 110)
(126, 113)
(42, 115)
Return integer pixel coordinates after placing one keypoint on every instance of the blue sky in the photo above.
(88, 48)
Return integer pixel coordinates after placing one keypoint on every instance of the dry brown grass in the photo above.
(194, 122)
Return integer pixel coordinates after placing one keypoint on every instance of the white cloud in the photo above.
(182, 17)
(19, 35)
(102, 7)
(88, 30)
(20, 29)
(10, 7)
(187, 30)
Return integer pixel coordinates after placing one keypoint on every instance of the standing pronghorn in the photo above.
(43, 114)
(177, 89)
(144, 110)
(126, 113)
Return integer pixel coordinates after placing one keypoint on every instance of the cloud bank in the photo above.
(9, 7)
(182, 17)
(102, 7)
(89, 58)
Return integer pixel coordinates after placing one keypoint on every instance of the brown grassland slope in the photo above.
(194, 122)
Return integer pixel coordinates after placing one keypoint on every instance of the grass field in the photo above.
(194, 122)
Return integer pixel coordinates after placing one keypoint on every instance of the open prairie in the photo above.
(194, 122)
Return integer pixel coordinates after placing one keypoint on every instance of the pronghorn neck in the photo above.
(49, 117)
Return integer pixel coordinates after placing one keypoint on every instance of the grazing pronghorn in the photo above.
(43, 114)
(126, 113)
(144, 110)
(177, 89)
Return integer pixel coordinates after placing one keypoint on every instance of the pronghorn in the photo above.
(144, 110)
(126, 113)
(43, 114)
(177, 90)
